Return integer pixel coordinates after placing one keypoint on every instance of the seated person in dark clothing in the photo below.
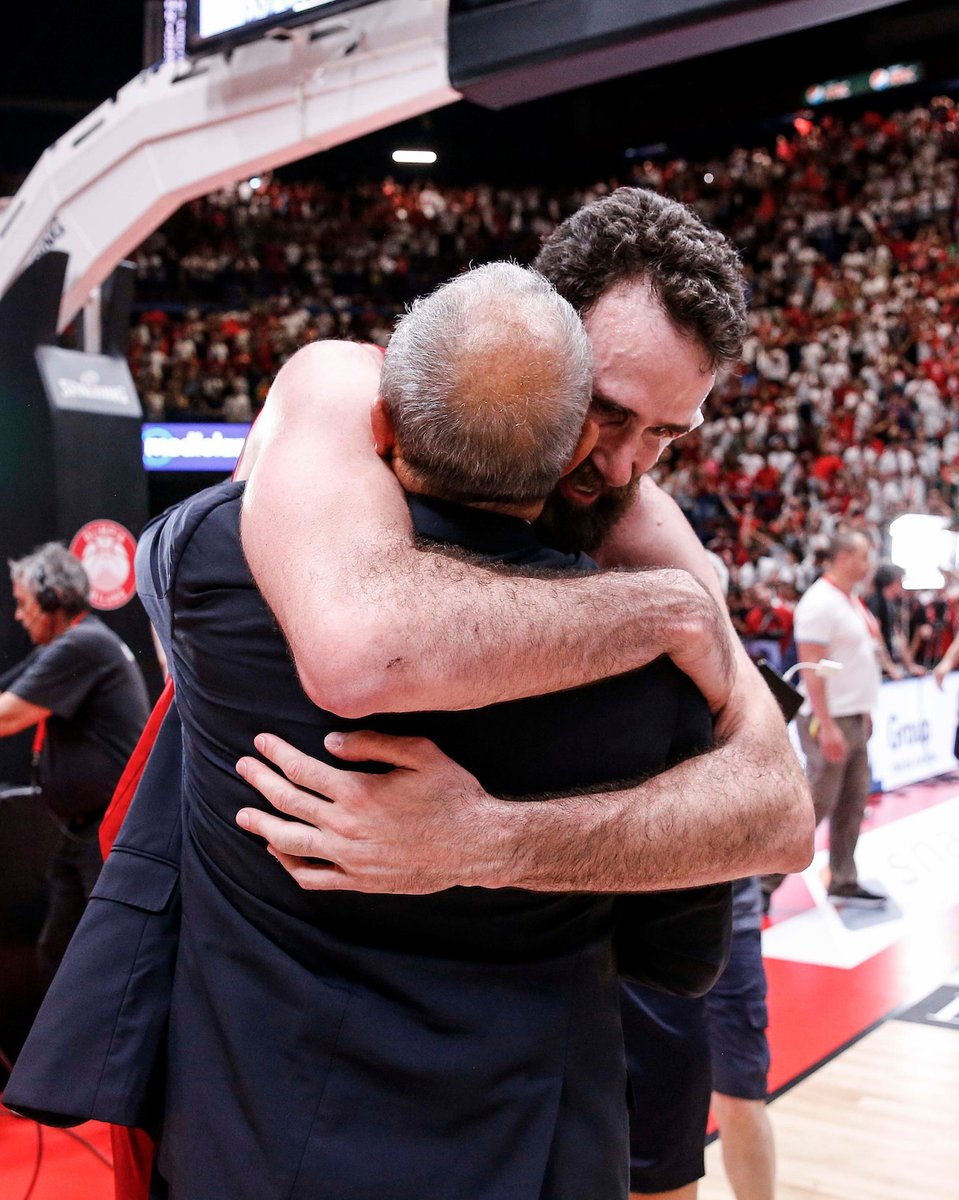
(83, 685)
(464, 1045)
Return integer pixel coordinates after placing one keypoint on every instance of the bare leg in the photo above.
(749, 1153)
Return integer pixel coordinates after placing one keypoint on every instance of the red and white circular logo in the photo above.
(106, 550)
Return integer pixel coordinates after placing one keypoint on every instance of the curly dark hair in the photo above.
(633, 233)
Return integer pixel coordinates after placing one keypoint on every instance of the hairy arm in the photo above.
(427, 825)
(754, 768)
(742, 809)
(376, 625)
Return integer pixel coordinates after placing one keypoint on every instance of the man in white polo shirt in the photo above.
(834, 723)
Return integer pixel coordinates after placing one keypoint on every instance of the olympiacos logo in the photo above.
(106, 550)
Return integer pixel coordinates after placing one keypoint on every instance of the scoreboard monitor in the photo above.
(503, 52)
(212, 24)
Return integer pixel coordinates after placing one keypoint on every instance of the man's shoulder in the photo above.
(183, 518)
(73, 665)
(490, 536)
(817, 612)
(85, 640)
(817, 595)
(167, 536)
(91, 634)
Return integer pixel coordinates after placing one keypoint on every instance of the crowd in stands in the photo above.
(845, 408)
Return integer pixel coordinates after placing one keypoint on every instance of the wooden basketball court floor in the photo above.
(864, 1032)
(878, 1122)
(864, 1017)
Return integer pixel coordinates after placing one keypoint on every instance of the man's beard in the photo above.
(570, 527)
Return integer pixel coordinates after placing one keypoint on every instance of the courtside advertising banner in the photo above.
(193, 446)
(913, 732)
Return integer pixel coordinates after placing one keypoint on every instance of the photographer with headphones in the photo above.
(83, 690)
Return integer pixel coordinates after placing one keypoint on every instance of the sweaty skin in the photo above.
(376, 625)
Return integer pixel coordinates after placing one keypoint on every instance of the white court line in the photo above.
(914, 859)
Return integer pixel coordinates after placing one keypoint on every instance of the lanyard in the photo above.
(872, 625)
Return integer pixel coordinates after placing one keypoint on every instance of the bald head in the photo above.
(847, 541)
(849, 558)
(487, 382)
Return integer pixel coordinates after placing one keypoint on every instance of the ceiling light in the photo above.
(414, 156)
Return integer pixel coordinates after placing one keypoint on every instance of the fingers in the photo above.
(299, 768)
(289, 837)
(365, 745)
(311, 876)
(283, 795)
(362, 745)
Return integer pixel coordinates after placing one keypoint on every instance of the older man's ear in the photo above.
(384, 437)
(584, 447)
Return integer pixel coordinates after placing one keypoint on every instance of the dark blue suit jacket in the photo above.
(370, 1042)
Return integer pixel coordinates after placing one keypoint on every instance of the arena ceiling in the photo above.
(62, 66)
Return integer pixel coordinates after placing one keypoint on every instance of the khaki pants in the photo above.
(839, 792)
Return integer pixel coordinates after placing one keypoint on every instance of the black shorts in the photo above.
(678, 1051)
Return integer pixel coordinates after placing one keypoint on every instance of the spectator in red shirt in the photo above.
(767, 627)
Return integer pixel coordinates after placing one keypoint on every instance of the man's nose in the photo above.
(619, 467)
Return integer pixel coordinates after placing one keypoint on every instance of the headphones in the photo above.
(47, 597)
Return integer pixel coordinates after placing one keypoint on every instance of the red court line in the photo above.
(815, 1010)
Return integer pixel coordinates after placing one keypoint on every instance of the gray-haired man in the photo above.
(83, 685)
(376, 626)
(349, 1042)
